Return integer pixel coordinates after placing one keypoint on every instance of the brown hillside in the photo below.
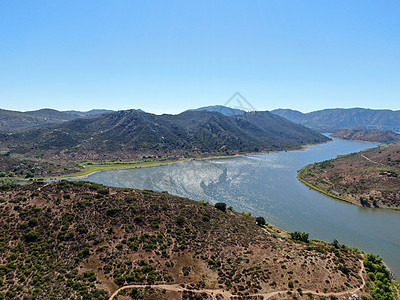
(81, 240)
(368, 135)
(370, 178)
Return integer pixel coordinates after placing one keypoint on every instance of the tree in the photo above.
(299, 236)
(29, 174)
(364, 201)
(221, 206)
(260, 221)
(335, 243)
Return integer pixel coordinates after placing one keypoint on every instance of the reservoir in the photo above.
(266, 185)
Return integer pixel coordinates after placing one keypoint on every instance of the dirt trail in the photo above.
(370, 160)
(352, 291)
(44, 185)
(227, 295)
(175, 288)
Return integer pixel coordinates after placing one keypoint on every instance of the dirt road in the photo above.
(227, 295)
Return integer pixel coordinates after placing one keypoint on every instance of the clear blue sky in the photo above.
(168, 56)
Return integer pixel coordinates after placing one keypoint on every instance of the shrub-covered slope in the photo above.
(133, 134)
(329, 120)
(16, 120)
(368, 135)
(13, 120)
(80, 240)
(369, 178)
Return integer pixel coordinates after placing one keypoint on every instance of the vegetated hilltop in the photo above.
(16, 120)
(81, 240)
(228, 111)
(368, 135)
(132, 134)
(369, 178)
(329, 120)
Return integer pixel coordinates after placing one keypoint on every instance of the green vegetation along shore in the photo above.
(96, 166)
(303, 173)
(18, 168)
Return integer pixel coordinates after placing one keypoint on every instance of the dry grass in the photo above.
(373, 174)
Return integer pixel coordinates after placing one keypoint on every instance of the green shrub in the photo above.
(130, 199)
(81, 228)
(138, 219)
(260, 221)
(206, 218)
(335, 243)
(32, 236)
(180, 221)
(113, 211)
(299, 236)
(33, 222)
(84, 253)
(221, 206)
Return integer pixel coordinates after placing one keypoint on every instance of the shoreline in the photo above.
(303, 148)
(84, 175)
(330, 195)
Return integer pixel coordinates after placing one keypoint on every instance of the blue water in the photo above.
(266, 185)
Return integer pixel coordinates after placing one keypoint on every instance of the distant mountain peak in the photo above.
(241, 102)
(225, 110)
(92, 112)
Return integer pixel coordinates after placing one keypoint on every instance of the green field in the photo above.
(92, 167)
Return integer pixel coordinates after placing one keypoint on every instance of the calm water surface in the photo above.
(266, 185)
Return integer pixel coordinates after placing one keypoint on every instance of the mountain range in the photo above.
(330, 120)
(132, 134)
(16, 120)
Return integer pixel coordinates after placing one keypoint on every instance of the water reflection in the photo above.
(266, 185)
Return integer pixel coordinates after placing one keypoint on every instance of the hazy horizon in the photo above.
(178, 112)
